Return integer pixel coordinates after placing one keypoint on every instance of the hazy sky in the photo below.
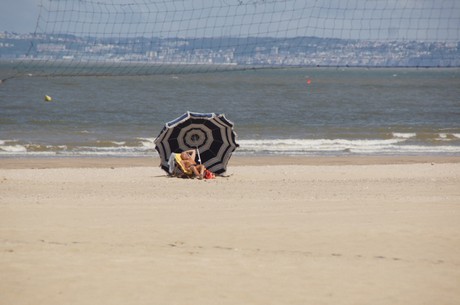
(18, 15)
(366, 19)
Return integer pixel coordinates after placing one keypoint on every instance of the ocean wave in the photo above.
(448, 137)
(316, 145)
(443, 137)
(148, 143)
(404, 135)
(13, 148)
(426, 136)
(337, 146)
(405, 144)
(98, 148)
(122, 151)
(109, 143)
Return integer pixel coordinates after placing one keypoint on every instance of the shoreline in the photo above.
(118, 162)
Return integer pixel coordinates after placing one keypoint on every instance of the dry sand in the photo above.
(276, 231)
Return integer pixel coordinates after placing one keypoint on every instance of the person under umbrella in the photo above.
(187, 159)
(211, 135)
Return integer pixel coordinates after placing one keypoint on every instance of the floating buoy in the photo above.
(48, 98)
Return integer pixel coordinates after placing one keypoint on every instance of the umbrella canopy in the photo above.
(212, 134)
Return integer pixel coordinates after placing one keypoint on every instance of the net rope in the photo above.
(142, 37)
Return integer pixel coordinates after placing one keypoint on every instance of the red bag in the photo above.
(209, 175)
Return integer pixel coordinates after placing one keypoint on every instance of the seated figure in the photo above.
(185, 165)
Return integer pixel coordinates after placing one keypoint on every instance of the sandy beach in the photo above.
(275, 230)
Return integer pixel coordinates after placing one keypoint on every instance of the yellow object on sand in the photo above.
(48, 98)
(179, 162)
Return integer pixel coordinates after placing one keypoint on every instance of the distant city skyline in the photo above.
(256, 52)
(352, 19)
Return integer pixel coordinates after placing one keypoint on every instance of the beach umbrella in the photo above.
(210, 133)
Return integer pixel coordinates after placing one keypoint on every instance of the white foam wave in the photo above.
(118, 151)
(409, 149)
(359, 146)
(148, 143)
(146, 147)
(448, 137)
(4, 142)
(443, 137)
(314, 145)
(104, 153)
(13, 148)
(109, 149)
(404, 135)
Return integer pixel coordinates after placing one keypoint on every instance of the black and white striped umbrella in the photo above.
(212, 134)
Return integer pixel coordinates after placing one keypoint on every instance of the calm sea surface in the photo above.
(290, 111)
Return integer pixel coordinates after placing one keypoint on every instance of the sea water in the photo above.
(314, 111)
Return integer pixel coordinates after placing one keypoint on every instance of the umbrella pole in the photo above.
(199, 157)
